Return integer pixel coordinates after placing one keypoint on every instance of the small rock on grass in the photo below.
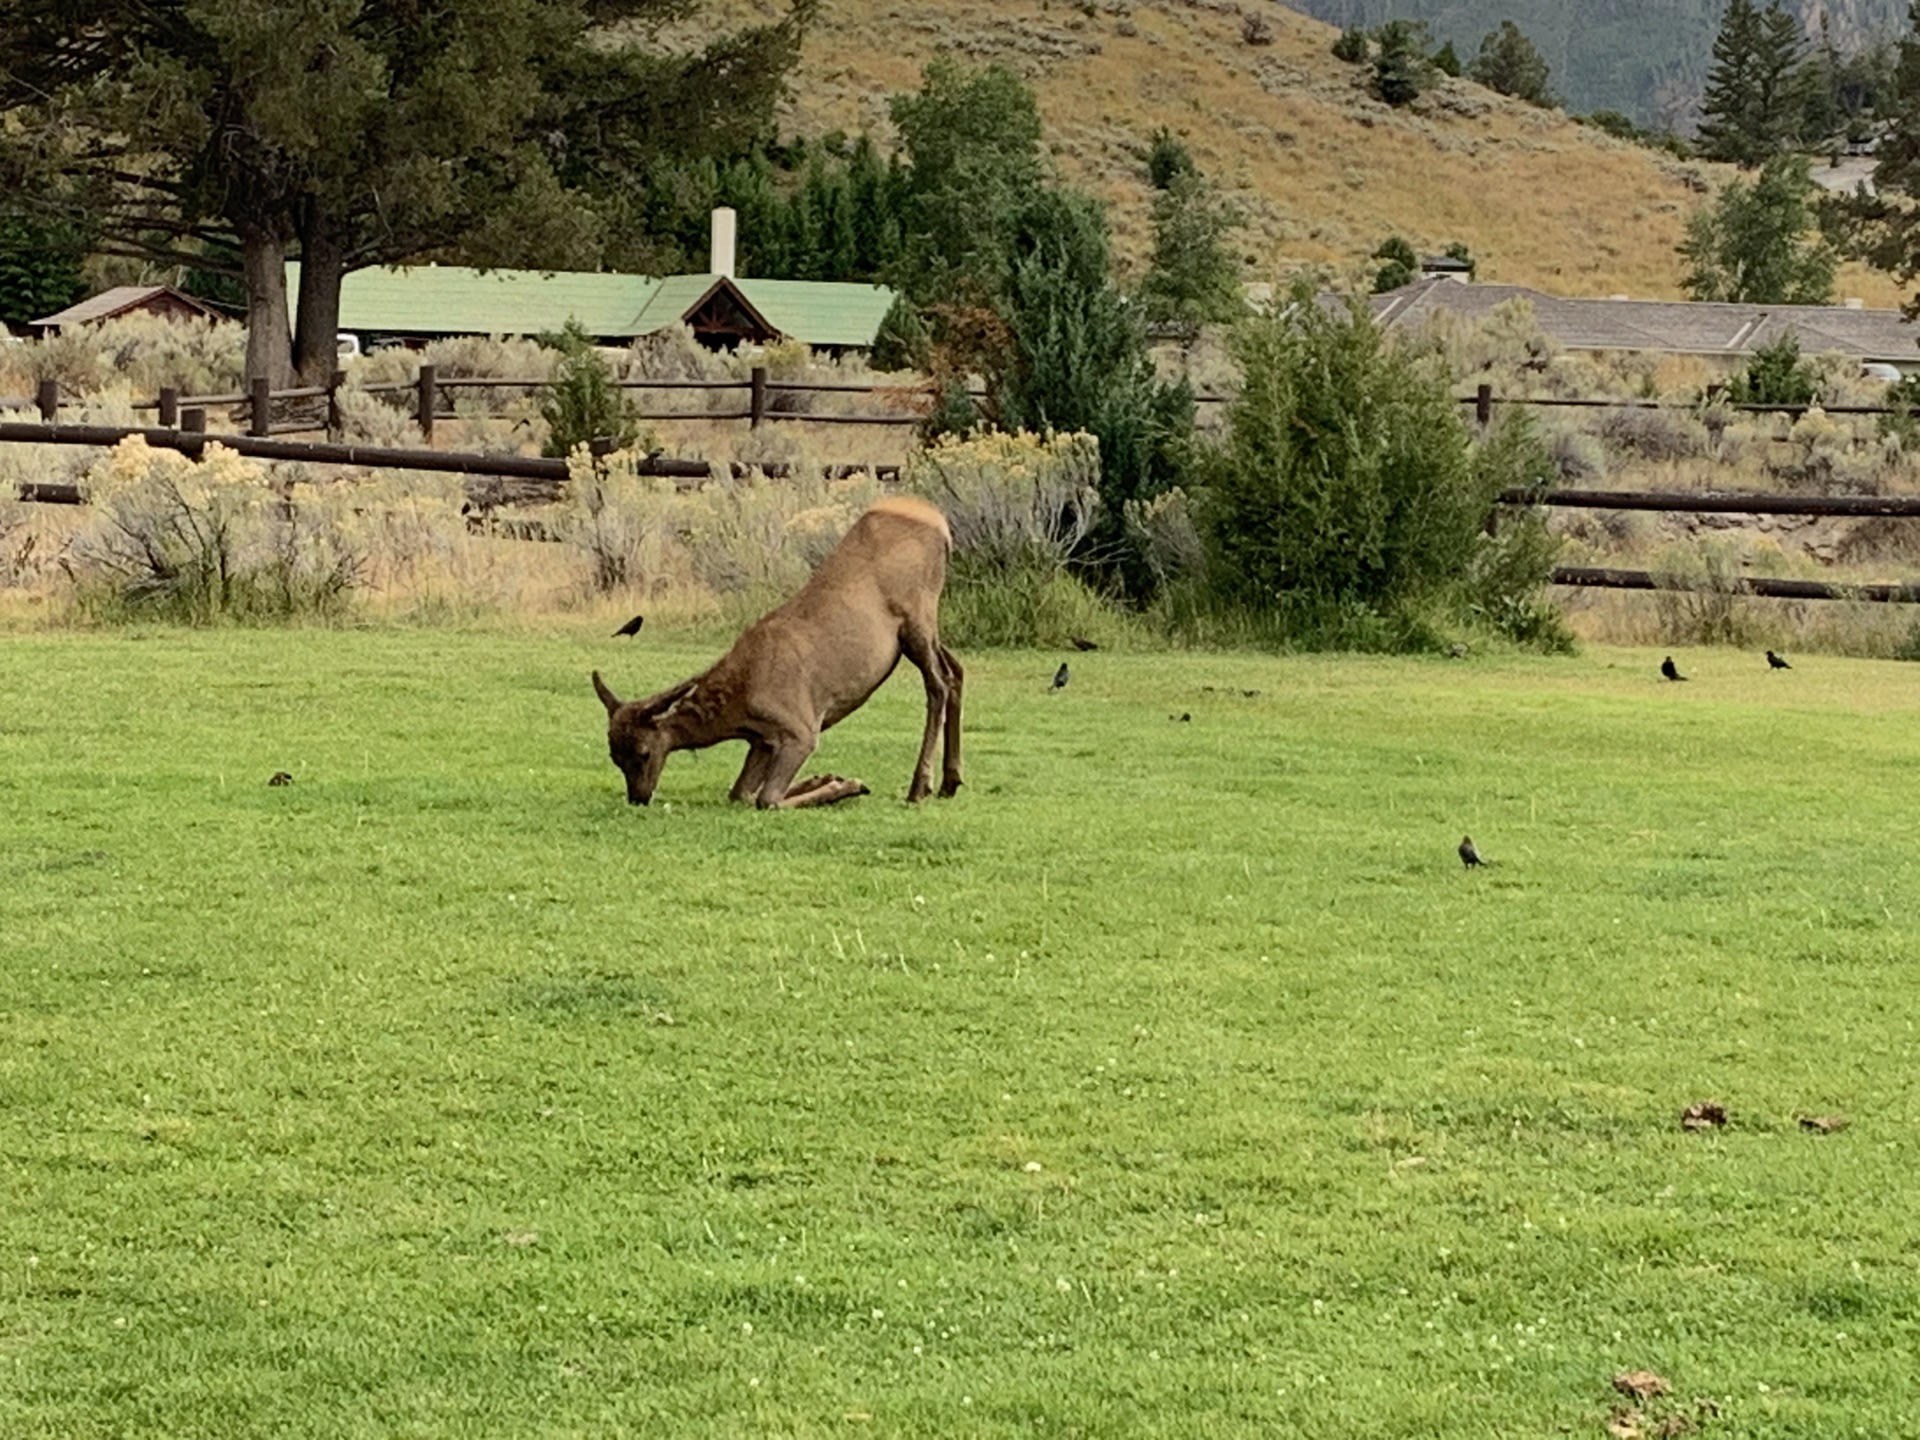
(1823, 1124)
(1703, 1115)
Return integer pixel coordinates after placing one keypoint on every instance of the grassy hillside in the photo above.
(1323, 170)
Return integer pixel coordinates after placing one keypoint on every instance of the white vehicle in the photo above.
(346, 345)
(1879, 370)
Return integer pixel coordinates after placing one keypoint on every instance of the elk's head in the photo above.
(637, 742)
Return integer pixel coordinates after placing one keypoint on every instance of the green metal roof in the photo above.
(454, 300)
(819, 312)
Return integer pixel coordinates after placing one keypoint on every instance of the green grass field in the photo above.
(1174, 1080)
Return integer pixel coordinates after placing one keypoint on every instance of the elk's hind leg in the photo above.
(950, 761)
(924, 651)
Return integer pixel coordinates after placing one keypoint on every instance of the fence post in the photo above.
(260, 418)
(193, 421)
(169, 407)
(48, 399)
(757, 397)
(334, 382)
(429, 401)
(1483, 405)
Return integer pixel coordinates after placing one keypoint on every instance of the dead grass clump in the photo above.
(1710, 609)
(1651, 434)
(1580, 458)
(671, 353)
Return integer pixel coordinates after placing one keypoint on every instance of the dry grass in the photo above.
(1323, 171)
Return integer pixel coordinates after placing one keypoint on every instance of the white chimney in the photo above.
(720, 251)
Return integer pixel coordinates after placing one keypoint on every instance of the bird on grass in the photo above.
(1060, 677)
(632, 627)
(280, 777)
(1469, 856)
(1777, 662)
(1080, 642)
(1671, 670)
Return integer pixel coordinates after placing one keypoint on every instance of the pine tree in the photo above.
(1401, 69)
(1882, 225)
(1751, 108)
(1194, 276)
(1509, 63)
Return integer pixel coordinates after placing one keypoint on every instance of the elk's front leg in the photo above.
(786, 754)
(822, 790)
(753, 774)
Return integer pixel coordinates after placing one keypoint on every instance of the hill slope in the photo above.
(1323, 171)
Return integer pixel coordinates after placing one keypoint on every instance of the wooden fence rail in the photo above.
(1606, 577)
(183, 428)
(428, 385)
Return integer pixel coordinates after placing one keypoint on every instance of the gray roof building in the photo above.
(1671, 327)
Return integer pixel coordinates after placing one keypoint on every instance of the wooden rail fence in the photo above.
(183, 426)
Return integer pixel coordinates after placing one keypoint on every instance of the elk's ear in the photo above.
(607, 697)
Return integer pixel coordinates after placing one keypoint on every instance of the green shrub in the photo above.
(583, 403)
(1506, 578)
(1352, 46)
(1902, 418)
(1402, 265)
(1346, 487)
(1776, 375)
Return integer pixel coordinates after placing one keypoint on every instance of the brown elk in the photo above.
(810, 664)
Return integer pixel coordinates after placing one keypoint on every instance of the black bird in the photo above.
(632, 627)
(1776, 662)
(280, 777)
(1081, 643)
(1671, 670)
(1060, 677)
(1469, 856)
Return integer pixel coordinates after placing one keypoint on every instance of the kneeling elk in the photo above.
(810, 664)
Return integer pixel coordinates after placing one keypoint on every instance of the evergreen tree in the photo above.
(1401, 69)
(1751, 108)
(39, 267)
(1758, 244)
(361, 132)
(1079, 361)
(1447, 60)
(972, 140)
(1168, 159)
(1194, 276)
(1881, 225)
(1509, 63)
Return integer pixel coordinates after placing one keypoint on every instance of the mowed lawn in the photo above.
(1173, 1080)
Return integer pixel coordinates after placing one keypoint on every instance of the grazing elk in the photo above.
(810, 664)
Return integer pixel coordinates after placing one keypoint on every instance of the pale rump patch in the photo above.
(912, 507)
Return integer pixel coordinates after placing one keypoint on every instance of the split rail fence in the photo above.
(182, 425)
